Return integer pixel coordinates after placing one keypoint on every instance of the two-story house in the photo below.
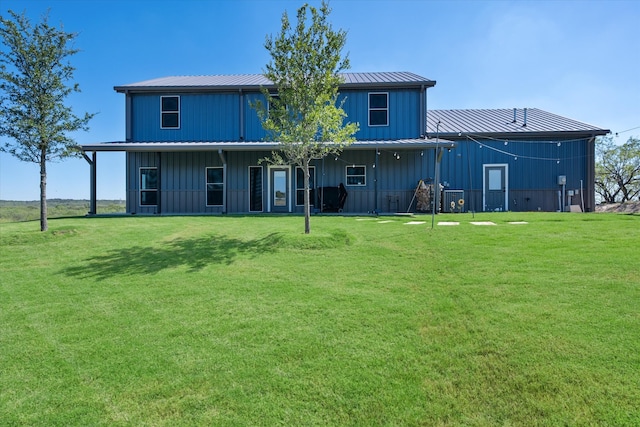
(194, 144)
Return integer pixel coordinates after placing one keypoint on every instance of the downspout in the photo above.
(591, 176)
(375, 183)
(128, 113)
(224, 174)
(241, 133)
(423, 110)
(159, 166)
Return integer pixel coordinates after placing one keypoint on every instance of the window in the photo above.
(170, 107)
(300, 184)
(215, 186)
(378, 109)
(148, 186)
(255, 188)
(356, 175)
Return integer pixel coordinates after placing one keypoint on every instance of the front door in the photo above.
(279, 194)
(496, 189)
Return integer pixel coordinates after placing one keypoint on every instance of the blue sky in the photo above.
(579, 59)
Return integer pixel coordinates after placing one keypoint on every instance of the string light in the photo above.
(515, 156)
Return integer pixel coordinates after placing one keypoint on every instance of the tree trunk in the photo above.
(307, 204)
(44, 226)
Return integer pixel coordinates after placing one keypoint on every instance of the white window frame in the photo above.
(364, 175)
(163, 112)
(206, 184)
(370, 109)
(296, 182)
(141, 189)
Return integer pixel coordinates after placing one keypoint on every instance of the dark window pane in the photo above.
(355, 170)
(149, 198)
(355, 180)
(170, 103)
(170, 120)
(378, 117)
(148, 179)
(214, 175)
(299, 178)
(214, 198)
(255, 189)
(378, 100)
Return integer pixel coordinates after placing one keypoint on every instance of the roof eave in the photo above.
(521, 135)
(123, 146)
(228, 88)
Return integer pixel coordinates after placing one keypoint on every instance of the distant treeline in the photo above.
(18, 210)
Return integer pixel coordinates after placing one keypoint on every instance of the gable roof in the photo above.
(255, 81)
(505, 122)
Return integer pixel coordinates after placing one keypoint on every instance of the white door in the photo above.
(495, 196)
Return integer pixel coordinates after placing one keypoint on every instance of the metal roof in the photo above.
(505, 122)
(255, 81)
(417, 143)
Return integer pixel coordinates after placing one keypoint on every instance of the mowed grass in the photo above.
(368, 321)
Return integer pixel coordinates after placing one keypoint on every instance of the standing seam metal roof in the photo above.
(501, 121)
(258, 80)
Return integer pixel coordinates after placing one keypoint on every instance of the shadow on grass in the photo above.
(195, 254)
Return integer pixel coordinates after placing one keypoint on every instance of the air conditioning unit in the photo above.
(453, 201)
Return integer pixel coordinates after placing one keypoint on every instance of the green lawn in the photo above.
(231, 320)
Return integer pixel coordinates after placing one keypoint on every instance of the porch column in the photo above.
(92, 181)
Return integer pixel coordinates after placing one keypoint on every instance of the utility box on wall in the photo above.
(562, 180)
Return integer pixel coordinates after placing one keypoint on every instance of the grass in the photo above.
(233, 320)
(16, 211)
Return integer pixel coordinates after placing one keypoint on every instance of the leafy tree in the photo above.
(304, 116)
(618, 170)
(34, 75)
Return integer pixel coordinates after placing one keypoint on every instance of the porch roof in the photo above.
(398, 144)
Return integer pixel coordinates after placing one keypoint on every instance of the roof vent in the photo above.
(514, 115)
(525, 118)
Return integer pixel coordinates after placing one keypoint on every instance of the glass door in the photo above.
(280, 198)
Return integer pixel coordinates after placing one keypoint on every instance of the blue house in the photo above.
(194, 145)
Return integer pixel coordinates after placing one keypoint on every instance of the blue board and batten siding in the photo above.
(533, 171)
(217, 116)
(230, 116)
(390, 179)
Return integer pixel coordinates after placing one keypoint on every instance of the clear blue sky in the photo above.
(579, 59)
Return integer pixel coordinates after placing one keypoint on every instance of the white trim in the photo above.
(249, 188)
(295, 185)
(140, 189)
(170, 112)
(506, 184)
(206, 183)
(288, 169)
(346, 175)
(369, 109)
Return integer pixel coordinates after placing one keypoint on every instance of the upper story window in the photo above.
(170, 112)
(356, 175)
(379, 109)
(148, 186)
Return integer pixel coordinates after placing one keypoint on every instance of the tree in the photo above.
(618, 170)
(304, 116)
(34, 75)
